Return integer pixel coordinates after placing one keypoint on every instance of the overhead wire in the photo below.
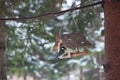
(52, 13)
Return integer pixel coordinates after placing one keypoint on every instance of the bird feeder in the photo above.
(71, 40)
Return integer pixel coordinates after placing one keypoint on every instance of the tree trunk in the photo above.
(81, 73)
(100, 77)
(3, 75)
(25, 76)
(112, 39)
(2, 52)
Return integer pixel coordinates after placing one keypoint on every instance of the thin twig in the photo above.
(53, 13)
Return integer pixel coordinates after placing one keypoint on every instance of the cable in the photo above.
(52, 13)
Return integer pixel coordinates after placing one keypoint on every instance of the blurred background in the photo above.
(29, 42)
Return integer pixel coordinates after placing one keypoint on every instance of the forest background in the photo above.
(29, 42)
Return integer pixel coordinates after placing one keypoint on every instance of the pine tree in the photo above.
(112, 39)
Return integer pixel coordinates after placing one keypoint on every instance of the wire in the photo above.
(52, 13)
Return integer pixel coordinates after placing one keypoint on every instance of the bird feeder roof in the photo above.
(74, 40)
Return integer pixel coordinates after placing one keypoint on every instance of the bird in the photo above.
(61, 51)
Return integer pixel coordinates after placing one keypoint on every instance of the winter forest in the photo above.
(37, 35)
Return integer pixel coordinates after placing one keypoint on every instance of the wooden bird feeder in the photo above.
(72, 40)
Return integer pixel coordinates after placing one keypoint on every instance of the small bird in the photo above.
(62, 51)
